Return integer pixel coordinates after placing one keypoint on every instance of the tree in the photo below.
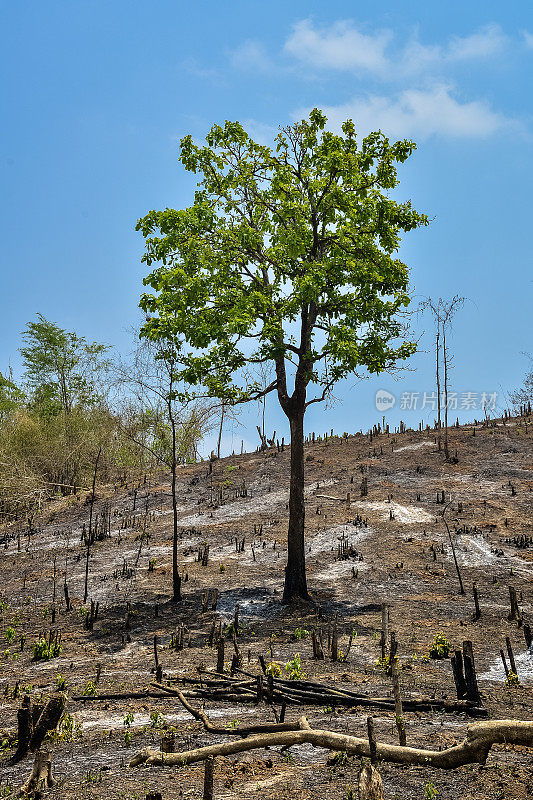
(443, 313)
(11, 397)
(286, 256)
(435, 308)
(524, 395)
(449, 310)
(61, 368)
(170, 431)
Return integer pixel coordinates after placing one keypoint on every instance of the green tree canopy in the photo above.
(11, 397)
(287, 255)
(60, 367)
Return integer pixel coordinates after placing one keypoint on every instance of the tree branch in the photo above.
(480, 737)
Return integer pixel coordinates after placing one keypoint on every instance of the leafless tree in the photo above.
(443, 313)
(165, 422)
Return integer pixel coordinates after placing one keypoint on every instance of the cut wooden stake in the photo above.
(371, 740)
(208, 778)
(505, 667)
(398, 702)
(477, 612)
(511, 655)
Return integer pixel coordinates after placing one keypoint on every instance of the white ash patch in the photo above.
(253, 604)
(246, 506)
(475, 482)
(524, 668)
(324, 541)
(338, 570)
(255, 786)
(407, 515)
(416, 446)
(116, 722)
(307, 752)
(474, 551)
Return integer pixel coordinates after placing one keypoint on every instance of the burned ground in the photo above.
(398, 552)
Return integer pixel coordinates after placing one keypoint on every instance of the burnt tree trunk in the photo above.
(295, 580)
(176, 578)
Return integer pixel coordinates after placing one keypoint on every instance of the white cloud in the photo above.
(341, 46)
(487, 41)
(260, 131)
(419, 114)
(528, 39)
(251, 55)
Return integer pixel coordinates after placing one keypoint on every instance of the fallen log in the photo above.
(480, 737)
(301, 692)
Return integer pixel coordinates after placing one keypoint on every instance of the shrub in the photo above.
(430, 791)
(441, 647)
(511, 679)
(293, 668)
(274, 669)
(44, 650)
(157, 720)
(90, 689)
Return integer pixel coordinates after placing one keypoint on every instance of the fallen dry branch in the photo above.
(304, 692)
(480, 737)
(244, 731)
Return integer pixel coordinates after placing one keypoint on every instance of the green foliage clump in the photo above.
(44, 650)
(61, 683)
(128, 719)
(430, 791)
(512, 679)
(157, 720)
(90, 689)
(274, 669)
(293, 668)
(440, 648)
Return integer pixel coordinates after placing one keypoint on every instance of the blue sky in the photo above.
(95, 96)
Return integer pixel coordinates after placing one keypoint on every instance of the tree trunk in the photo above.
(295, 580)
(445, 359)
(219, 441)
(473, 749)
(176, 578)
(437, 351)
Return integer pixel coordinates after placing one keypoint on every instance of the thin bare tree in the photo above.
(165, 423)
(443, 313)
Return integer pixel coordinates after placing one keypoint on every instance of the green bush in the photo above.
(274, 669)
(90, 689)
(293, 668)
(44, 651)
(441, 647)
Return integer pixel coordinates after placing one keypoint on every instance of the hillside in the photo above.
(390, 546)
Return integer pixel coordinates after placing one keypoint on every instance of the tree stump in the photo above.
(370, 785)
(25, 730)
(41, 776)
(208, 778)
(47, 721)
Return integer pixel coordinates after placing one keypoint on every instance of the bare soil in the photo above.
(402, 557)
